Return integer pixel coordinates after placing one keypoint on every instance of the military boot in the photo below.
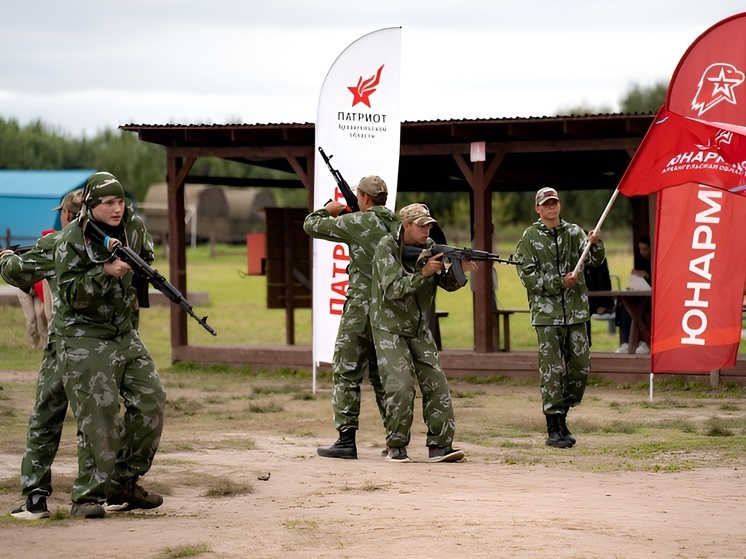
(555, 438)
(343, 448)
(129, 495)
(564, 431)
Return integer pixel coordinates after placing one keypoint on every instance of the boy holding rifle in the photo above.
(403, 291)
(102, 356)
(354, 351)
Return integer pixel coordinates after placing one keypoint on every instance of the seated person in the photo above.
(624, 321)
(598, 279)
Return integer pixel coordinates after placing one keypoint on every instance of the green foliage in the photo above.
(36, 146)
(139, 164)
(640, 99)
(136, 164)
(582, 110)
(637, 99)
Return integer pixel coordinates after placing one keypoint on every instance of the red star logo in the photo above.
(717, 84)
(363, 90)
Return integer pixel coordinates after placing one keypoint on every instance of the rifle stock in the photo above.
(344, 188)
(145, 271)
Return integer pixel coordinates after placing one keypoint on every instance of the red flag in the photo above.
(678, 150)
(698, 280)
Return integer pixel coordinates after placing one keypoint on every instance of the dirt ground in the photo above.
(369, 508)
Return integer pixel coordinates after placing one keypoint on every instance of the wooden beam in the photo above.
(248, 152)
(529, 146)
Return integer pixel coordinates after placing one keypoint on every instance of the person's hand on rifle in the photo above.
(433, 265)
(335, 208)
(469, 266)
(4, 252)
(117, 268)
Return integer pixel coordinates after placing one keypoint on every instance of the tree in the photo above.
(640, 99)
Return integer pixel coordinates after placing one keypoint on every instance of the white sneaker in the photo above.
(624, 348)
(604, 316)
(642, 349)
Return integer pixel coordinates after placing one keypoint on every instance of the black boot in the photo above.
(343, 448)
(555, 438)
(564, 431)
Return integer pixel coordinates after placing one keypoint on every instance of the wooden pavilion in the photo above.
(521, 154)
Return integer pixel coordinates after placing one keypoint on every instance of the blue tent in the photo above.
(27, 199)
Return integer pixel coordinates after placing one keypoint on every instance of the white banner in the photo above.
(357, 123)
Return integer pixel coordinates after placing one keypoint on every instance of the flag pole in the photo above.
(313, 380)
(587, 248)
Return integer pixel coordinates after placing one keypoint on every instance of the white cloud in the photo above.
(88, 65)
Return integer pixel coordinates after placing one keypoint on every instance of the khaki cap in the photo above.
(418, 214)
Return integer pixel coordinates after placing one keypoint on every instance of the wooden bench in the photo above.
(436, 328)
(505, 314)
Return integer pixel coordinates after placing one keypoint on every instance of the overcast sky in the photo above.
(85, 65)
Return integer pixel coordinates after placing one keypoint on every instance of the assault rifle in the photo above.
(344, 188)
(454, 256)
(143, 269)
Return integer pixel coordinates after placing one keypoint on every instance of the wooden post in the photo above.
(177, 170)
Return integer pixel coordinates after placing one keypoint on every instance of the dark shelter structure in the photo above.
(519, 154)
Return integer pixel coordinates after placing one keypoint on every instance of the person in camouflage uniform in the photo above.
(50, 406)
(548, 252)
(353, 350)
(403, 291)
(101, 355)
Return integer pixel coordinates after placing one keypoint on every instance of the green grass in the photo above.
(187, 550)
(237, 309)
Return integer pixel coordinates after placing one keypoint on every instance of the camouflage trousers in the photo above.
(564, 365)
(354, 353)
(45, 425)
(110, 446)
(401, 360)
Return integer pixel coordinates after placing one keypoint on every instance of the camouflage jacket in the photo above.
(401, 295)
(361, 232)
(546, 256)
(24, 270)
(91, 302)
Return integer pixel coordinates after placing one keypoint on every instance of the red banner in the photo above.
(699, 259)
(678, 150)
(698, 279)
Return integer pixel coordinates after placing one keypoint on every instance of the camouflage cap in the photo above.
(545, 194)
(372, 185)
(418, 214)
(72, 202)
